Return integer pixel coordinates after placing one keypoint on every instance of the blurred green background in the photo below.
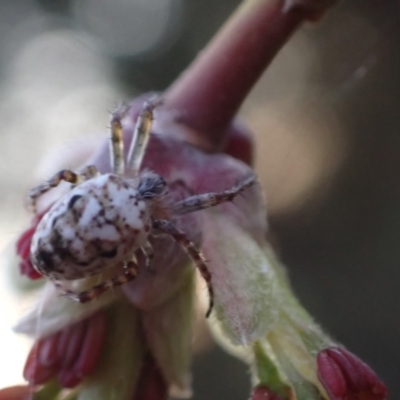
(327, 124)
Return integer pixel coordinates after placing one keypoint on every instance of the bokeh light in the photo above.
(130, 28)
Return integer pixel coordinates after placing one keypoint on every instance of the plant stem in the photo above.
(210, 92)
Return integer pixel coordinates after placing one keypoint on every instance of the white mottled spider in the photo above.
(105, 219)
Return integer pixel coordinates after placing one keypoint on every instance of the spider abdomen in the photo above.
(98, 224)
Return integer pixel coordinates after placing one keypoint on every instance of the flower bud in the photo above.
(23, 247)
(70, 354)
(264, 393)
(346, 377)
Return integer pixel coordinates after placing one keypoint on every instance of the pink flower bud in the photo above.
(346, 377)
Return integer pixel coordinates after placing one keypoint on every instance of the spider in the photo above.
(106, 218)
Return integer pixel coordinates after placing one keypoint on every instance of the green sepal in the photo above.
(247, 295)
(49, 391)
(168, 333)
(119, 366)
(267, 371)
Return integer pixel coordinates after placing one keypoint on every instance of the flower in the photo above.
(346, 377)
(256, 314)
(159, 304)
(136, 343)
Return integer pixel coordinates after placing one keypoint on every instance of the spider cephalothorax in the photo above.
(105, 219)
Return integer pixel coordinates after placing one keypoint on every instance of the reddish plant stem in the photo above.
(210, 92)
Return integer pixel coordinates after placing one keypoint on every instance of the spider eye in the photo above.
(109, 254)
(151, 185)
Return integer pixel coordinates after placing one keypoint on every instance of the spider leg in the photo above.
(129, 274)
(117, 143)
(141, 134)
(66, 175)
(88, 172)
(198, 258)
(148, 252)
(206, 200)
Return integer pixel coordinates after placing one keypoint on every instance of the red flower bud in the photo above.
(70, 354)
(151, 385)
(264, 393)
(346, 377)
(23, 247)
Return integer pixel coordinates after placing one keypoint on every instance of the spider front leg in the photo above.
(140, 138)
(128, 274)
(198, 258)
(117, 144)
(141, 134)
(207, 200)
(66, 175)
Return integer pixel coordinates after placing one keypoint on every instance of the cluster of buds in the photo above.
(135, 343)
